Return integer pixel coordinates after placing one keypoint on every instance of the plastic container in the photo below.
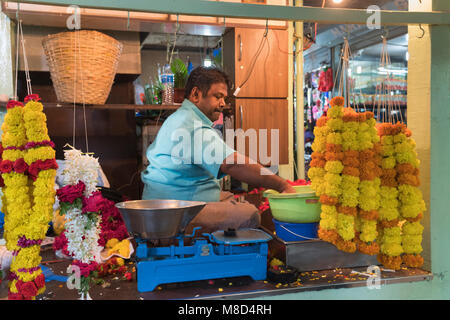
(167, 80)
(296, 231)
(300, 207)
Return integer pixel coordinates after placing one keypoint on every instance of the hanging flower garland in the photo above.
(316, 171)
(16, 200)
(369, 187)
(79, 202)
(389, 235)
(28, 214)
(17, 203)
(411, 204)
(329, 229)
(341, 176)
(348, 201)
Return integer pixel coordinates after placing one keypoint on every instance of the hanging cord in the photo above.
(25, 60)
(74, 89)
(254, 59)
(342, 68)
(177, 27)
(78, 61)
(384, 99)
(315, 24)
(17, 53)
(84, 103)
(20, 41)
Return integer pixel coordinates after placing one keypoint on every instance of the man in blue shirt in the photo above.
(188, 158)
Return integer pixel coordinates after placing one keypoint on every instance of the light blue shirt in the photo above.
(185, 158)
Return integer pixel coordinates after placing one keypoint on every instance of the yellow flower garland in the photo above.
(389, 230)
(369, 187)
(332, 145)
(348, 200)
(367, 194)
(26, 224)
(410, 198)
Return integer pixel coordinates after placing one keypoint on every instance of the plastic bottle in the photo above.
(167, 83)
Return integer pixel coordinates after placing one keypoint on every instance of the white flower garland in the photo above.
(82, 230)
(82, 167)
(84, 249)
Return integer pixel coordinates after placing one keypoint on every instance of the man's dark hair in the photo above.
(203, 78)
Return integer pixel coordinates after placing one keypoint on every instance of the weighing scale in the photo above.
(221, 254)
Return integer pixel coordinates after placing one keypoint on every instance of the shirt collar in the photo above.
(189, 105)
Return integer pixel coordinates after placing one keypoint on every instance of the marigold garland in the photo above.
(369, 187)
(410, 198)
(389, 229)
(27, 145)
(331, 146)
(350, 180)
(367, 179)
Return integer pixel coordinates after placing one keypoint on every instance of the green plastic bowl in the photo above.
(300, 207)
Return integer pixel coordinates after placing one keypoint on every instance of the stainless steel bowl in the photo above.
(158, 219)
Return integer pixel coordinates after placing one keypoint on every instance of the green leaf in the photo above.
(180, 73)
(66, 206)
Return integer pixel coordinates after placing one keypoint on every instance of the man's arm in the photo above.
(251, 173)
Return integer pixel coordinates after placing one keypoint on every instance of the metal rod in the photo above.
(299, 103)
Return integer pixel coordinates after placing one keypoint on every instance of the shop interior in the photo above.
(368, 67)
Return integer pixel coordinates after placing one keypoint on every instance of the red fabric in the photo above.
(326, 80)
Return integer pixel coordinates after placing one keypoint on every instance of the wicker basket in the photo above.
(82, 65)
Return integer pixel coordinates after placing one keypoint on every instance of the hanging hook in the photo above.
(420, 26)
(267, 28)
(423, 31)
(224, 25)
(17, 11)
(385, 33)
(128, 21)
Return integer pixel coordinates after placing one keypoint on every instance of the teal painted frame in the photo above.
(255, 11)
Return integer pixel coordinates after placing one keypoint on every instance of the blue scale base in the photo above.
(213, 259)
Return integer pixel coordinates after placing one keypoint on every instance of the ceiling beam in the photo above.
(255, 11)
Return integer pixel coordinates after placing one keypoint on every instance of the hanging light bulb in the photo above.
(208, 61)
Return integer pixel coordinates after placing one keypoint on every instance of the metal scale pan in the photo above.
(158, 219)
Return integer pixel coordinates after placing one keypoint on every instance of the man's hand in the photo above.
(289, 189)
(249, 171)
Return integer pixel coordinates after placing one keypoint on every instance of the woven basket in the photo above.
(82, 65)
